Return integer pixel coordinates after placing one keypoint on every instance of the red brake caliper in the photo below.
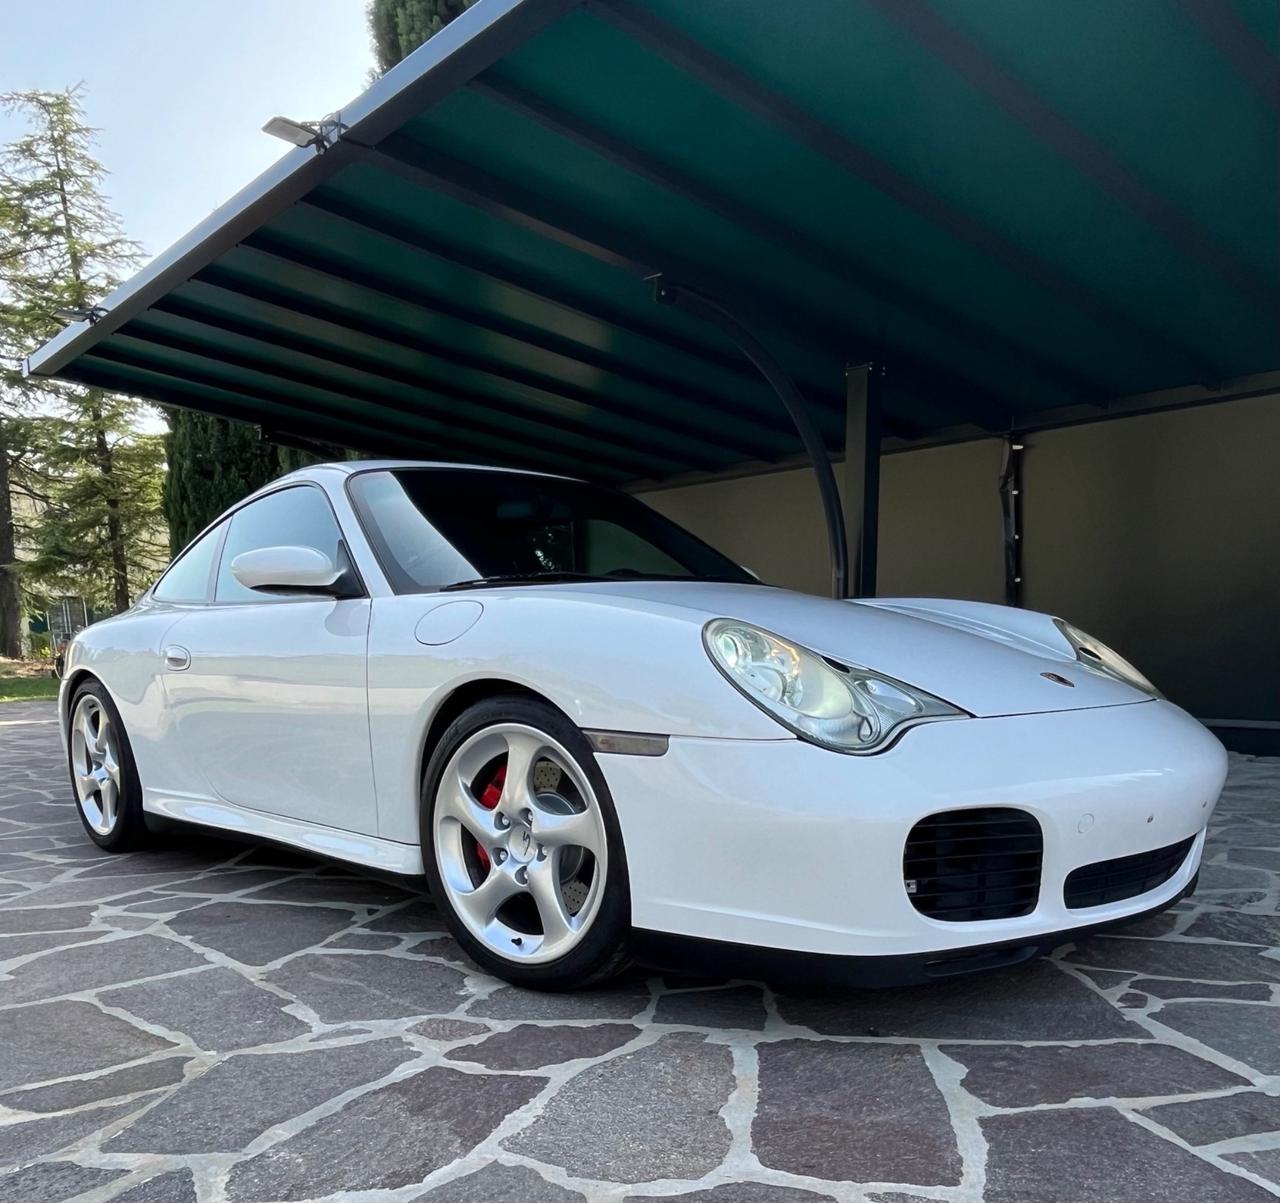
(489, 800)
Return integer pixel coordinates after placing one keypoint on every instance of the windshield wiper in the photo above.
(520, 578)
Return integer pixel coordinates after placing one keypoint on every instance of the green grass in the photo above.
(25, 689)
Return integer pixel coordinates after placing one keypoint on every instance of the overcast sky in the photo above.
(180, 89)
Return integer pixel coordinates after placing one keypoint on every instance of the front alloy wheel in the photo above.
(522, 848)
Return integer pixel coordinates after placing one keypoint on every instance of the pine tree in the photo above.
(399, 27)
(65, 250)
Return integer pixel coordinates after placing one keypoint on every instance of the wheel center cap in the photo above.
(521, 844)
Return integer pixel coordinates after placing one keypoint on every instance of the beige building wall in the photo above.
(1160, 534)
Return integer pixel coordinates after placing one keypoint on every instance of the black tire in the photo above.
(604, 949)
(130, 830)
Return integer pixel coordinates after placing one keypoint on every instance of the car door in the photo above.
(268, 693)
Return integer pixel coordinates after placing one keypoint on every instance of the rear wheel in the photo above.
(522, 848)
(103, 775)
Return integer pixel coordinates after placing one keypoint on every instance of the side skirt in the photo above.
(351, 846)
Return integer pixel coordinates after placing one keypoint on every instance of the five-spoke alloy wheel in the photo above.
(521, 846)
(108, 796)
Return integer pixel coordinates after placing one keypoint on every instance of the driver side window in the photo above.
(295, 517)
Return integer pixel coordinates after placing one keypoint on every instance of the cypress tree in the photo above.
(399, 27)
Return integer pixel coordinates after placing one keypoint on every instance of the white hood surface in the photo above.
(984, 669)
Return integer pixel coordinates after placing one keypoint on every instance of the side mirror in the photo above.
(292, 570)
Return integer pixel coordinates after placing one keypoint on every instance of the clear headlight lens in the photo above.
(1095, 654)
(847, 709)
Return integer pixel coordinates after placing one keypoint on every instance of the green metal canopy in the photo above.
(1024, 209)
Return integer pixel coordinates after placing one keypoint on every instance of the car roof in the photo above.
(351, 467)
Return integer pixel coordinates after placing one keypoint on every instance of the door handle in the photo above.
(176, 658)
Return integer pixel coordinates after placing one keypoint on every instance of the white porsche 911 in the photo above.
(596, 735)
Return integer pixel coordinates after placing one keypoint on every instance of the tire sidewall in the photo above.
(130, 830)
(603, 949)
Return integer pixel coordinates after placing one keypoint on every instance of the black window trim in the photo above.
(373, 543)
(225, 518)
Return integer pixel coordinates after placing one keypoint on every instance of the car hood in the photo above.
(986, 669)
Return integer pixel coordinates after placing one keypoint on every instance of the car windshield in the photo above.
(438, 528)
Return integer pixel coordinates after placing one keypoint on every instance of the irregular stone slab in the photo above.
(178, 1186)
(501, 1184)
(216, 1008)
(100, 889)
(1171, 988)
(1233, 926)
(39, 1137)
(53, 1182)
(232, 1104)
(1034, 1002)
(148, 903)
(91, 966)
(421, 915)
(1207, 1121)
(1181, 959)
(259, 933)
(1009, 1076)
(530, 1046)
(446, 1030)
(1244, 1031)
(621, 1001)
(649, 1114)
(1106, 979)
(1149, 926)
(342, 987)
(857, 1113)
(1265, 1163)
(357, 891)
(385, 1139)
(54, 918)
(739, 1192)
(204, 855)
(1229, 877)
(63, 1038)
(61, 1096)
(12, 947)
(1065, 1156)
(227, 881)
(1263, 858)
(732, 1007)
(367, 941)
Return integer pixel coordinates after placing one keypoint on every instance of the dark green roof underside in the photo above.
(1016, 205)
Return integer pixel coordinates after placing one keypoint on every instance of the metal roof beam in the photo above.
(773, 108)
(322, 269)
(491, 195)
(407, 415)
(539, 289)
(1239, 45)
(985, 72)
(708, 429)
(827, 258)
(632, 447)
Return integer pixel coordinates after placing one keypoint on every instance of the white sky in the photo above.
(180, 88)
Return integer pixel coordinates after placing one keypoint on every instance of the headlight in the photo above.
(841, 707)
(1095, 654)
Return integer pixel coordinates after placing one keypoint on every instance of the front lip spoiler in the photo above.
(691, 954)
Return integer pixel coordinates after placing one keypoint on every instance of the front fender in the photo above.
(604, 663)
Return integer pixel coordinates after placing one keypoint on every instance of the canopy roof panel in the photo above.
(1022, 210)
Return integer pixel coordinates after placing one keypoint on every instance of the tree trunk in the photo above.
(10, 603)
(115, 530)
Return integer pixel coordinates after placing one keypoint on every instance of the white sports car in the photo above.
(598, 737)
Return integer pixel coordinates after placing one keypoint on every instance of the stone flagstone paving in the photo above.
(215, 1023)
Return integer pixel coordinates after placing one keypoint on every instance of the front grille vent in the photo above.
(966, 865)
(1125, 877)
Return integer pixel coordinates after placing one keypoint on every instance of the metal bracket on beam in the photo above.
(1011, 514)
(700, 306)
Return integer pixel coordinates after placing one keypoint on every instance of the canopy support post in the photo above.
(784, 387)
(862, 471)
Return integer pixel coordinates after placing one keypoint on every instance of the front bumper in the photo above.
(777, 844)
